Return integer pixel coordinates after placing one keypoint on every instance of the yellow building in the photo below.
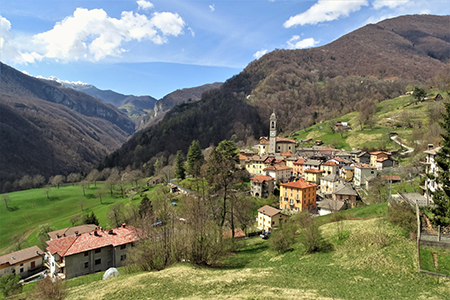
(270, 217)
(298, 196)
(255, 165)
(377, 155)
(313, 175)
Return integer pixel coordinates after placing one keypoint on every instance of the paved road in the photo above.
(409, 149)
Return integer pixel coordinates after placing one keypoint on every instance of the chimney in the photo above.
(76, 233)
(123, 225)
(430, 146)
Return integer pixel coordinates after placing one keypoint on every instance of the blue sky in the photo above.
(155, 47)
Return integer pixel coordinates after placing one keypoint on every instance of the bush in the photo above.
(9, 285)
(311, 237)
(283, 238)
(46, 289)
(404, 216)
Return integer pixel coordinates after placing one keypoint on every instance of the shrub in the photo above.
(283, 238)
(9, 285)
(404, 216)
(46, 289)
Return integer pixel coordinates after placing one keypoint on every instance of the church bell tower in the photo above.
(273, 133)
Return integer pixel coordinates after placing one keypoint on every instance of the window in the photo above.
(98, 261)
(86, 265)
(98, 250)
(123, 257)
(123, 247)
(21, 265)
(21, 270)
(86, 253)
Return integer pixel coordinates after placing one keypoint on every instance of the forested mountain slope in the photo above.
(47, 129)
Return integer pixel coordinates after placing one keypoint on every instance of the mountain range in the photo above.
(373, 63)
(48, 128)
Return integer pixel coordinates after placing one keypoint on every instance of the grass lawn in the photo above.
(31, 208)
(375, 262)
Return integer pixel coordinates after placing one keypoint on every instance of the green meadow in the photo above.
(30, 208)
(374, 261)
(391, 115)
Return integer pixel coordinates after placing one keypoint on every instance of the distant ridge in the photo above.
(373, 63)
(48, 129)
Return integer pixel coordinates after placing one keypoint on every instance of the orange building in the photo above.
(298, 195)
(298, 167)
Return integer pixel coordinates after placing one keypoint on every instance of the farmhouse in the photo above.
(25, 262)
(270, 217)
(90, 252)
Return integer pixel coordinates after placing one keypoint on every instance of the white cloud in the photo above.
(212, 8)
(93, 35)
(10, 49)
(296, 43)
(144, 4)
(325, 10)
(260, 53)
(377, 4)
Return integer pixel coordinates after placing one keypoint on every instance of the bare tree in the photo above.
(38, 180)
(73, 177)
(6, 199)
(57, 180)
(93, 176)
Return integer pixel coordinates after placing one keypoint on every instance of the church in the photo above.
(274, 144)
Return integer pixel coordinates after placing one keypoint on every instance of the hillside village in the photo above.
(317, 179)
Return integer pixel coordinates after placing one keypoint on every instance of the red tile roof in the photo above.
(330, 163)
(299, 161)
(277, 168)
(279, 140)
(299, 184)
(314, 171)
(288, 154)
(381, 159)
(238, 233)
(364, 166)
(89, 240)
(261, 178)
(380, 152)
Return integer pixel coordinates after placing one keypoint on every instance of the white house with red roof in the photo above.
(90, 252)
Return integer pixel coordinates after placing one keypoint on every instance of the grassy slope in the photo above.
(388, 118)
(358, 268)
(31, 208)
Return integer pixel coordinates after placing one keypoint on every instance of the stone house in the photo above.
(262, 186)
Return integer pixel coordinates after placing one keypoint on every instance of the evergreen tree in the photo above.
(419, 93)
(179, 166)
(194, 159)
(440, 212)
(90, 219)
